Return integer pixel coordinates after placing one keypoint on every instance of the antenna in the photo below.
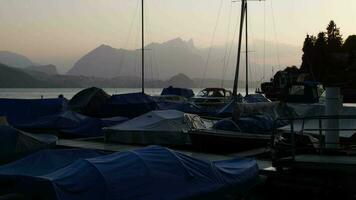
(143, 46)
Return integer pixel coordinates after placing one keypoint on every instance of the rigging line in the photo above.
(128, 38)
(227, 46)
(264, 41)
(211, 43)
(275, 36)
(232, 42)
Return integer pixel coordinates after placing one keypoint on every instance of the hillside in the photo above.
(16, 78)
(14, 59)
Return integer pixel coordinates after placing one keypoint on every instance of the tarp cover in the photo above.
(89, 101)
(69, 123)
(15, 143)
(155, 127)
(254, 98)
(148, 173)
(186, 107)
(184, 92)
(128, 105)
(25, 110)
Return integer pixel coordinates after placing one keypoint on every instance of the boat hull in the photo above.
(227, 142)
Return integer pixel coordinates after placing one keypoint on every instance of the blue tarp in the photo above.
(255, 98)
(15, 143)
(71, 124)
(186, 107)
(262, 124)
(148, 173)
(128, 105)
(24, 110)
(184, 92)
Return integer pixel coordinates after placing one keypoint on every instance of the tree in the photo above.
(334, 38)
(308, 47)
(350, 44)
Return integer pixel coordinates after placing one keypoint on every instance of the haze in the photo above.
(60, 32)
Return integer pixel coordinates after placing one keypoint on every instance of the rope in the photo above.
(128, 38)
(227, 46)
(211, 43)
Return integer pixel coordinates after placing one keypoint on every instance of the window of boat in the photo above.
(296, 90)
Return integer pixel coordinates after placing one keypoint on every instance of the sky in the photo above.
(61, 31)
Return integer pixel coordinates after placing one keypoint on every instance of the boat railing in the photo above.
(293, 137)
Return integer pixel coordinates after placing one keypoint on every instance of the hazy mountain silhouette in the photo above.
(16, 78)
(14, 59)
(47, 69)
(163, 60)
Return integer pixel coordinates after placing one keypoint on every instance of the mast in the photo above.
(234, 93)
(246, 31)
(142, 47)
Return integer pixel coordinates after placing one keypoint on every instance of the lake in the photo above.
(36, 93)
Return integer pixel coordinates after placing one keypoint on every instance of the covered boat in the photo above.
(128, 105)
(89, 101)
(148, 173)
(250, 127)
(15, 143)
(69, 123)
(23, 110)
(184, 92)
(164, 127)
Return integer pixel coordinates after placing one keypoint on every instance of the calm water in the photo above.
(35, 93)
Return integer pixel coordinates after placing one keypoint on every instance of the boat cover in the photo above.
(15, 143)
(254, 98)
(148, 173)
(70, 123)
(184, 92)
(89, 101)
(24, 110)
(186, 107)
(155, 127)
(128, 105)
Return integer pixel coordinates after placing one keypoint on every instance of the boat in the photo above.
(212, 97)
(137, 174)
(233, 138)
(18, 111)
(161, 127)
(15, 144)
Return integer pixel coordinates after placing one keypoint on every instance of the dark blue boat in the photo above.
(148, 173)
(184, 92)
(25, 110)
(128, 105)
(70, 124)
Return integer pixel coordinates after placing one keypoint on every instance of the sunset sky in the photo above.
(61, 31)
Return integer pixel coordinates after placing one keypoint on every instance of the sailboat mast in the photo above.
(142, 47)
(234, 93)
(246, 31)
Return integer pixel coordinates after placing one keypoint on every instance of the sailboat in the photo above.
(233, 136)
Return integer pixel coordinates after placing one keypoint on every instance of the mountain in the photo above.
(47, 69)
(16, 78)
(181, 80)
(163, 60)
(14, 59)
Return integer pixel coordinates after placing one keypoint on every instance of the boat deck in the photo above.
(114, 147)
(322, 162)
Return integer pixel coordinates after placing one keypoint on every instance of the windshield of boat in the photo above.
(212, 93)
